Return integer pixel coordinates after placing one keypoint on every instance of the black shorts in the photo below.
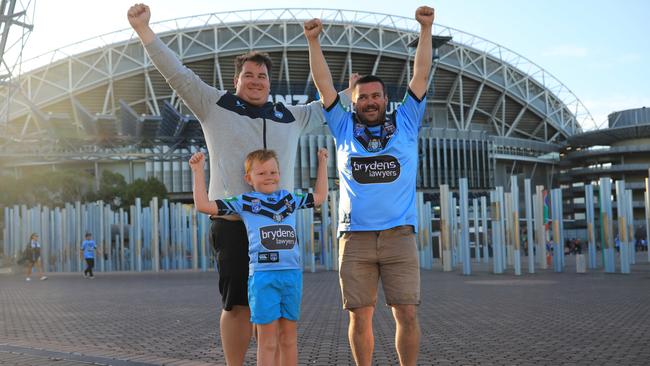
(230, 243)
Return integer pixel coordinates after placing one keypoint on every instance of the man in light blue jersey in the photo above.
(275, 272)
(377, 164)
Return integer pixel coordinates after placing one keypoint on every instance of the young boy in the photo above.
(88, 248)
(275, 274)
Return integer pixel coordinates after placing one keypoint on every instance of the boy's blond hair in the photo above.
(259, 155)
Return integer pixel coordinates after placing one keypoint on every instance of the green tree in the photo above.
(146, 190)
(112, 189)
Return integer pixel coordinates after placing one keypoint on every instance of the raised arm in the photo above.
(139, 16)
(424, 52)
(196, 94)
(319, 69)
(199, 191)
(320, 191)
(352, 81)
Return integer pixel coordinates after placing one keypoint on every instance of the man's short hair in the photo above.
(371, 79)
(254, 56)
(261, 156)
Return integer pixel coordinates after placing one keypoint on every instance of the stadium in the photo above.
(490, 112)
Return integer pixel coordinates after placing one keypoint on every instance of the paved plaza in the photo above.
(172, 318)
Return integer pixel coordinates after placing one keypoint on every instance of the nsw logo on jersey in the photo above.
(375, 169)
(277, 237)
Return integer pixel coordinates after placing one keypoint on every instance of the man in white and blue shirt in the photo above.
(377, 165)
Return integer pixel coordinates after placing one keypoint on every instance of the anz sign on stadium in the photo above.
(277, 96)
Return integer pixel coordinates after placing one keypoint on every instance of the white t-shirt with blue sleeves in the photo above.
(271, 227)
(377, 166)
(88, 247)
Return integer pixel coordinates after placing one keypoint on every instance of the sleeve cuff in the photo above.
(336, 101)
(415, 97)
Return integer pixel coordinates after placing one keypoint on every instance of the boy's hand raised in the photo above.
(323, 154)
(196, 161)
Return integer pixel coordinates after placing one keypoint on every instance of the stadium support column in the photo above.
(540, 229)
(103, 248)
(155, 239)
(497, 257)
(138, 235)
(529, 226)
(516, 242)
(502, 228)
(486, 251)
(464, 227)
(621, 212)
(445, 229)
(605, 203)
(630, 227)
(558, 247)
(477, 235)
(589, 208)
(647, 215)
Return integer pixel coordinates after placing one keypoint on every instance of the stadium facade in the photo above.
(490, 113)
(621, 151)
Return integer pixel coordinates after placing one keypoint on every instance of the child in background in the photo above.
(275, 273)
(88, 248)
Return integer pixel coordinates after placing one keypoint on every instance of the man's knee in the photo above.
(406, 315)
(361, 318)
(238, 312)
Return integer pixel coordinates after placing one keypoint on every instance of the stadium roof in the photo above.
(480, 84)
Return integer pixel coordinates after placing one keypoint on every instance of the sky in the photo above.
(598, 49)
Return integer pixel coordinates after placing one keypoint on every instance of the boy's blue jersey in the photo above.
(377, 169)
(88, 247)
(271, 227)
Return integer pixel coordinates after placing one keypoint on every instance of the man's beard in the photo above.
(381, 117)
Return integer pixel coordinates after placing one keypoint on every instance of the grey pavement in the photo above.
(132, 319)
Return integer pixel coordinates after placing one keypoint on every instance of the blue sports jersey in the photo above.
(271, 227)
(377, 169)
(88, 247)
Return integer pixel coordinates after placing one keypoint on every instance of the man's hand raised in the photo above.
(139, 16)
(424, 15)
(312, 29)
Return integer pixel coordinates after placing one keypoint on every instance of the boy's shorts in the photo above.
(367, 256)
(230, 244)
(275, 294)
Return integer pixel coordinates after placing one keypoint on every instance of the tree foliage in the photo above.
(48, 188)
(55, 188)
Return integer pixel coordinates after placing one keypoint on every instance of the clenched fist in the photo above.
(323, 154)
(312, 29)
(139, 16)
(196, 161)
(424, 15)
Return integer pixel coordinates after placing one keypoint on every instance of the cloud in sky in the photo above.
(565, 50)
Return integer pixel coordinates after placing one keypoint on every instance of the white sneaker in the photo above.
(43, 278)
(92, 277)
(28, 279)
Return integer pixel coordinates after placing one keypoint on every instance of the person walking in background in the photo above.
(88, 248)
(33, 254)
